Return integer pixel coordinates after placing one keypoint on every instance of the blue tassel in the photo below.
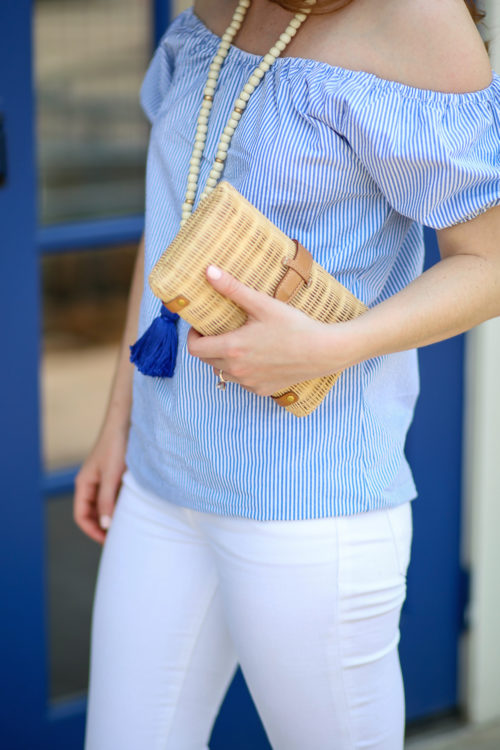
(156, 350)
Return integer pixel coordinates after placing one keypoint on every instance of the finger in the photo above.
(84, 508)
(225, 374)
(212, 348)
(250, 300)
(218, 363)
(89, 524)
(192, 339)
(106, 500)
(194, 335)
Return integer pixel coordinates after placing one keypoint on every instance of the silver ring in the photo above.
(222, 383)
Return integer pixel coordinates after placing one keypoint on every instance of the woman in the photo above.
(242, 534)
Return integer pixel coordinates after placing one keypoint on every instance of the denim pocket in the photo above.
(400, 520)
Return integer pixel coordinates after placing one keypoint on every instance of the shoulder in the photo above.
(430, 44)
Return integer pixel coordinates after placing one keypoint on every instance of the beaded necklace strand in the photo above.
(156, 351)
(201, 131)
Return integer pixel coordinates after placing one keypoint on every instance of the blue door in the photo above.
(433, 614)
(30, 715)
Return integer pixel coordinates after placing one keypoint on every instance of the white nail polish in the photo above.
(214, 272)
(105, 522)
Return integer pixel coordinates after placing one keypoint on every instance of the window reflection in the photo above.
(85, 295)
(72, 562)
(90, 58)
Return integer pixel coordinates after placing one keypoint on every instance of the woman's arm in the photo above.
(120, 399)
(279, 345)
(98, 481)
(456, 294)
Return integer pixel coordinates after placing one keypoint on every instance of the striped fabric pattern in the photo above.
(352, 166)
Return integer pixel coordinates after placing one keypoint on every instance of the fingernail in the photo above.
(214, 272)
(105, 522)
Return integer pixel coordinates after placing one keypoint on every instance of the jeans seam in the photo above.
(395, 543)
(188, 662)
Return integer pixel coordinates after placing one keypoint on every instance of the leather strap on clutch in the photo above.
(298, 274)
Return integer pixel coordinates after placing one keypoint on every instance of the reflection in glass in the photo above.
(90, 58)
(85, 296)
(71, 570)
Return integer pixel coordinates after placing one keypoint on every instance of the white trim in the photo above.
(480, 648)
(492, 32)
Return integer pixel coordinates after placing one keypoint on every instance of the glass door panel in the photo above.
(90, 57)
(72, 560)
(89, 60)
(85, 297)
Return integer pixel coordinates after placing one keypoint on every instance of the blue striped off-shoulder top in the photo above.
(353, 166)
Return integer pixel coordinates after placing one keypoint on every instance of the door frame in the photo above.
(28, 718)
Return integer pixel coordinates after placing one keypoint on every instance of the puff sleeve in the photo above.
(157, 79)
(435, 156)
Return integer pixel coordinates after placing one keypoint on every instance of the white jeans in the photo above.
(309, 610)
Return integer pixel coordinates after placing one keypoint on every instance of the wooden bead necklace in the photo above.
(201, 132)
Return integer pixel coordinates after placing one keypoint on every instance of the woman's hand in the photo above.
(275, 348)
(98, 481)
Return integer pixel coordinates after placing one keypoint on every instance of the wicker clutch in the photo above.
(227, 230)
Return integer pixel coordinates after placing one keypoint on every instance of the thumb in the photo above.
(253, 302)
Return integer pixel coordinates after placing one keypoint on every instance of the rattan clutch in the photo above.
(227, 230)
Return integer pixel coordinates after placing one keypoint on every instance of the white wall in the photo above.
(480, 649)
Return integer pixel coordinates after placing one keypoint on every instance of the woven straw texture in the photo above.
(228, 231)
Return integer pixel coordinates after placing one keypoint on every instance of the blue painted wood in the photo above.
(3, 153)
(162, 13)
(22, 555)
(62, 238)
(238, 724)
(431, 617)
(60, 482)
(65, 727)
(27, 718)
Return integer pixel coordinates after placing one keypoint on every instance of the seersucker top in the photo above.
(353, 166)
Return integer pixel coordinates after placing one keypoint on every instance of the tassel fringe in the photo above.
(155, 352)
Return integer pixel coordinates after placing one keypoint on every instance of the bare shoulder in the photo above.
(428, 44)
(432, 44)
